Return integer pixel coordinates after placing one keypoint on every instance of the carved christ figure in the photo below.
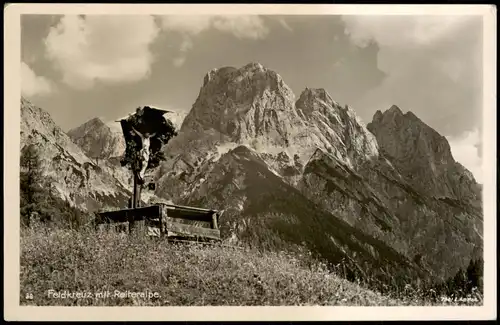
(144, 152)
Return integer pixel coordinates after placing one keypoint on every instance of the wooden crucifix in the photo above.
(145, 133)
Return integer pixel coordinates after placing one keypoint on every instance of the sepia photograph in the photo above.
(201, 156)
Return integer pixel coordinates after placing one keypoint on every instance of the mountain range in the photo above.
(384, 199)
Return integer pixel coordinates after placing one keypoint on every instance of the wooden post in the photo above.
(136, 199)
(97, 221)
(163, 221)
(214, 221)
(137, 192)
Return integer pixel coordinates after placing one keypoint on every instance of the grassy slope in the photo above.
(86, 261)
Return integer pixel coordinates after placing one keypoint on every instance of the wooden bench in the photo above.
(166, 220)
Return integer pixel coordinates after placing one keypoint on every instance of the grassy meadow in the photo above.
(65, 267)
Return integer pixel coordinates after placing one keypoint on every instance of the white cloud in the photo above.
(186, 45)
(465, 150)
(31, 84)
(400, 31)
(110, 49)
(179, 61)
(251, 27)
(187, 24)
(240, 26)
(396, 35)
(433, 67)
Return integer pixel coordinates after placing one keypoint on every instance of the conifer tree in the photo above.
(475, 274)
(30, 183)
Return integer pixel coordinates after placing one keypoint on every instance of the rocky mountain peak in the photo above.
(315, 99)
(421, 153)
(97, 139)
(242, 103)
(37, 123)
(91, 125)
(253, 106)
(377, 116)
(217, 74)
(400, 135)
(393, 115)
(96, 121)
(75, 177)
(254, 66)
(320, 93)
(394, 111)
(38, 116)
(340, 130)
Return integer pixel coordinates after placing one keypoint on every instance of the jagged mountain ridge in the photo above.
(98, 140)
(423, 156)
(254, 106)
(104, 144)
(321, 149)
(266, 212)
(104, 140)
(324, 150)
(76, 178)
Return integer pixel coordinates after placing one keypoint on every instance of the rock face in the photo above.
(423, 156)
(75, 177)
(104, 144)
(98, 140)
(265, 211)
(308, 173)
(377, 200)
(254, 106)
(338, 130)
(246, 104)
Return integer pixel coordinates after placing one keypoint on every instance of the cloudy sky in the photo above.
(80, 67)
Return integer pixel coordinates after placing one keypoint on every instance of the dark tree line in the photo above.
(38, 201)
(464, 282)
(30, 184)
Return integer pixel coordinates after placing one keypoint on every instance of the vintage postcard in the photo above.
(249, 162)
